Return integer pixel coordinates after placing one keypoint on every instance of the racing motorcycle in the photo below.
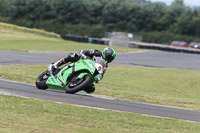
(72, 77)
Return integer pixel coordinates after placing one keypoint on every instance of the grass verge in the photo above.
(171, 87)
(53, 45)
(25, 39)
(13, 29)
(26, 115)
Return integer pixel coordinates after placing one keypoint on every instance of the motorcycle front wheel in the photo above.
(41, 81)
(76, 84)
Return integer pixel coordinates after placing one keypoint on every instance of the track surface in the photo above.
(11, 88)
(148, 58)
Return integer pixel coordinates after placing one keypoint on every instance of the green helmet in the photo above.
(109, 54)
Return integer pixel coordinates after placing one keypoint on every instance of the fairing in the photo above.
(59, 81)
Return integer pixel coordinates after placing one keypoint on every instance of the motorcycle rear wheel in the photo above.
(41, 81)
(82, 83)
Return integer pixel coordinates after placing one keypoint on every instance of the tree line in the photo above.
(157, 22)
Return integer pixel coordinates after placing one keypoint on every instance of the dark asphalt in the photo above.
(160, 59)
(17, 89)
(147, 59)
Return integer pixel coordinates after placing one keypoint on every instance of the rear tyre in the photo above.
(76, 85)
(41, 81)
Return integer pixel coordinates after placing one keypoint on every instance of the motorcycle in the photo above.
(72, 77)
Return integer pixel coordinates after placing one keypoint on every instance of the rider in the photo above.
(108, 54)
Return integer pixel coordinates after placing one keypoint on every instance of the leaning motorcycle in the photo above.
(72, 77)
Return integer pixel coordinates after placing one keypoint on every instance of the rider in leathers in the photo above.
(108, 54)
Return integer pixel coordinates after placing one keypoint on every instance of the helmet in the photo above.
(108, 54)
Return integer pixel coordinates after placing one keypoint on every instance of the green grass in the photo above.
(26, 115)
(13, 31)
(180, 88)
(24, 39)
(52, 45)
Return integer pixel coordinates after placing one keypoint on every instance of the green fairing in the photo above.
(59, 80)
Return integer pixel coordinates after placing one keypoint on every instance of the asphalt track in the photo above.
(147, 59)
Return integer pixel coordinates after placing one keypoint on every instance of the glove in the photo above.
(51, 68)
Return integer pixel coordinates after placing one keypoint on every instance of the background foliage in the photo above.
(95, 17)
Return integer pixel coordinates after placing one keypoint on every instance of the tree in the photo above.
(183, 25)
(94, 11)
(160, 19)
(71, 11)
(195, 26)
(178, 2)
(176, 9)
(116, 14)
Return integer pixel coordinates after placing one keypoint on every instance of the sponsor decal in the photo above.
(59, 81)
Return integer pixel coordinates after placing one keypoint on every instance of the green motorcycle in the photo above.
(72, 77)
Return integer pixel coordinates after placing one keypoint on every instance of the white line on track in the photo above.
(17, 82)
(103, 97)
(103, 109)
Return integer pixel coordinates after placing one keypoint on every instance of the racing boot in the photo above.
(90, 89)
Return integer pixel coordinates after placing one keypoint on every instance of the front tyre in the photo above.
(41, 81)
(76, 84)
